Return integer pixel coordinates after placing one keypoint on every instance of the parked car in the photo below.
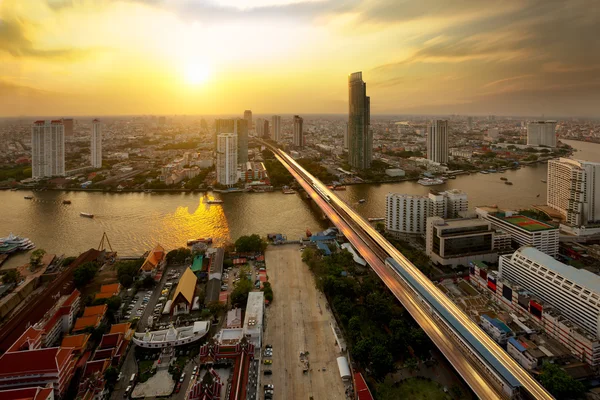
(182, 378)
(268, 372)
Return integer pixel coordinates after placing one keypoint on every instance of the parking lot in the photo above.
(299, 321)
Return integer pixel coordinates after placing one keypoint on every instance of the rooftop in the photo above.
(49, 360)
(75, 341)
(95, 310)
(186, 286)
(527, 223)
(254, 310)
(579, 277)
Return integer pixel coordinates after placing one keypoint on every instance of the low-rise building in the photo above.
(59, 319)
(254, 319)
(184, 293)
(30, 393)
(107, 291)
(234, 318)
(497, 329)
(76, 342)
(92, 318)
(155, 260)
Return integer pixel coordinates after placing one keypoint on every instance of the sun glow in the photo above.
(196, 73)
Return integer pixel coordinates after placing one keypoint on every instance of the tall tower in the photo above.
(360, 137)
(96, 145)
(48, 149)
(276, 128)
(437, 141)
(248, 117)
(227, 158)
(260, 127)
(298, 132)
(241, 126)
(68, 123)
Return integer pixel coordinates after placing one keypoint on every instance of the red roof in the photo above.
(95, 310)
(96, 120)
(362, 390)
(50, 360)
(40, 121)
(69, 301)
(56, 121)
(30, 393)
(110, 340)
(96, 366)
(26, 340)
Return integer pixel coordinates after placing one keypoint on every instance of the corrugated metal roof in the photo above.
(517, 344)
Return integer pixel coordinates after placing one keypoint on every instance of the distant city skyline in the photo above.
(436, 57)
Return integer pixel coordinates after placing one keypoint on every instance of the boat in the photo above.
(13, 243)
(504, 179)
(362, 201)
(192, 242)
(452, 177)
(28, 197)
(544, 181)
(484, 172)
(87, 215)
(376, 219)
(430, 181)
(14, 189)
(66, 201)
(507, 183)
(172, 336)
(341, 187)
(214, 201)
(287, 190)
(492, 171)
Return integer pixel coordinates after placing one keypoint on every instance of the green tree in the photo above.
(178, 256)
(382, 361)
(559, 383)
(68, 261)
(85, 273)
(127, 271)
(110, 376)
(11, 276)
(35, 260)
(251, 243)
(148, 282)
(239, 295)
(113, 303)
(268, 291)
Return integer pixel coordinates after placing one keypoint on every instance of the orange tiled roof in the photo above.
(95, 310)
(77, 342)
(112, 288)
(120, 328)
(104, 295)
(154, 258)
(84, 322)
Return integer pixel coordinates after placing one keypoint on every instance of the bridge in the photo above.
(489, 371)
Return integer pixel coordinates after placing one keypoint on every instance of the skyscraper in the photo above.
(227, 155)
(346, 136)
(260, 127)
(541, 133)
(96, 145)
(298, 132)
(248, 117)
(68, 123)
(574, 190)
(231, 125)
(47, 149)
(360, 137)
(437, 141)
(276, 128)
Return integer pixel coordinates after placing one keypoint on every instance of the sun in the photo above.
(196, 73)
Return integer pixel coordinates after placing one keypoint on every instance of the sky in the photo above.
(470, 57)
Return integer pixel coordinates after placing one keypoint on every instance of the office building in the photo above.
(572, 191)
(298, 132)
(575, 292)
(262, 128)
(47, 149)
(68, 123)
(248, 118)
(541, 133)
(524, 230)
(437, 141)
(227, 155)
(456, 242)
(405, 214)
(360, 137)
(470, 123)
(96, 145)
(276, 128)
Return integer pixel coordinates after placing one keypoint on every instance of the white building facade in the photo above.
(227, 156)
(437, 141)
(541, 133)
(276, 127)
(406, 214)
(48, 149)
(96, 145)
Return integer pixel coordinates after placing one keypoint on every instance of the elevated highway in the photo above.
(484, 365)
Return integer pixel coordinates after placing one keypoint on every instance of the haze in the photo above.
(77, 57)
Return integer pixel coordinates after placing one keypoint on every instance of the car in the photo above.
(268, 362)
(269, 391)
(268, 372)
(178, 387)
(127, 391)
(268, 346)
(270, 386)
(182, 378)
(120, 376)
(195, 370)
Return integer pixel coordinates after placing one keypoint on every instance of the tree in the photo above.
(239, 295)
(252, 243)
(113, 303)
(268, 291)
(127, 271)
(111, 375)
(382, 361)
(85, 273)
(148, 282)
(11, 276)
(559, 383)
(35, 260)
(178, 256)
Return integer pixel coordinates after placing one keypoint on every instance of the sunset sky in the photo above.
(84, 57)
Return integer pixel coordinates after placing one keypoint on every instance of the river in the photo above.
(135, 222)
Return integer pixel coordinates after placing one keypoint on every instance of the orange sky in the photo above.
(84, 57)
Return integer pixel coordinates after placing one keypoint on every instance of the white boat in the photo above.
(362, 201)
(172, 336)
(430, 181)
(215, 201)
(13, 243)
(87, 215)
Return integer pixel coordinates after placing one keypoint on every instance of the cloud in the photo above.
(507, 80)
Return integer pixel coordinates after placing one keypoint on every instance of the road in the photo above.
(299, 321)
(374, 249)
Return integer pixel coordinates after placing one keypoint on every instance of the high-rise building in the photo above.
(266, 132)
(575, 292)
(248, 117)
(541, 133)
(470, 123)
(48, 149)
(276, 128)
(437, 141)
(262, 127)
(96, 145)
(68, 123)
(573, 186)
(227, 155)
(360, 137)
(298, 132)
(346, 136)
(406, 214)
(230, 125)
(448, 204)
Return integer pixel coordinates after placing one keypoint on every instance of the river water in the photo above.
(135, 222)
